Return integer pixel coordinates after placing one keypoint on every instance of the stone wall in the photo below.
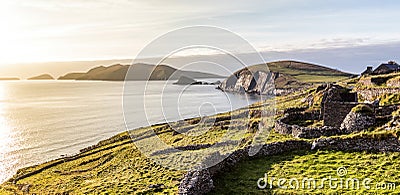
(373, 94)
(333, 119)
(394, 82)
(336, 112)
(201, 181)
(365, 81)
(369, 143)
(386, 111)
(283, 126)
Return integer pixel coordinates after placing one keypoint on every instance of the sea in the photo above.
(44, 120)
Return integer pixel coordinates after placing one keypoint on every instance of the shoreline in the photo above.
(68, 157)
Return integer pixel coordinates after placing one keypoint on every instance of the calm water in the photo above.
(42, 120)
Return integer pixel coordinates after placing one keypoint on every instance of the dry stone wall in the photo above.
(358, 144)
(283, 126)
(373, 94)
(201, 181)
(335, 112)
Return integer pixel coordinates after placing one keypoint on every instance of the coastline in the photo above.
(97, 168)
(119, 142)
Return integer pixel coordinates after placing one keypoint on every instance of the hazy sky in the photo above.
(64, 30)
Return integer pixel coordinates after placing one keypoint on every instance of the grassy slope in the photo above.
(306, 72)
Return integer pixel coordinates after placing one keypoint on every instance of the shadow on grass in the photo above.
(244, 176)
(380, 167)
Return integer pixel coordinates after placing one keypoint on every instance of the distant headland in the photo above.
(42, 77)
(118, 72)
(9, 79)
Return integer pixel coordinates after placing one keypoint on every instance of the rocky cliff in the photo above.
(259, 81)
(247, 81)
(283, 77)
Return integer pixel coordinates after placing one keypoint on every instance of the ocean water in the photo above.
(42, 120)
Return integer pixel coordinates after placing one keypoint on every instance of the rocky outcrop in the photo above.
(355, 122)
(184, 80)
(247, 81)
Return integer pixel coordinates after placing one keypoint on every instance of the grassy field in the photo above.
(307, 72)
(381, 168)
(116, 166)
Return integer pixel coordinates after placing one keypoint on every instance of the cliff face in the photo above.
(246, 81)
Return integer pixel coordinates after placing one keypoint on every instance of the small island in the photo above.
(9, 79)
(42, 77)
(185, 80)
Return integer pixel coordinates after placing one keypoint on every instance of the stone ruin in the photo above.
(336, 105)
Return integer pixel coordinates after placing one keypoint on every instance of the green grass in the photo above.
(310, 78)
(362, 109)
(381, 167)
(389, 99)
(305, 72)
(122, 169)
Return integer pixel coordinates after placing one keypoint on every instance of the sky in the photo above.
(71, 30)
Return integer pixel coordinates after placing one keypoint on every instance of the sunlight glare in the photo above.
(5, 134)
(14, 41)
(5, 130)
